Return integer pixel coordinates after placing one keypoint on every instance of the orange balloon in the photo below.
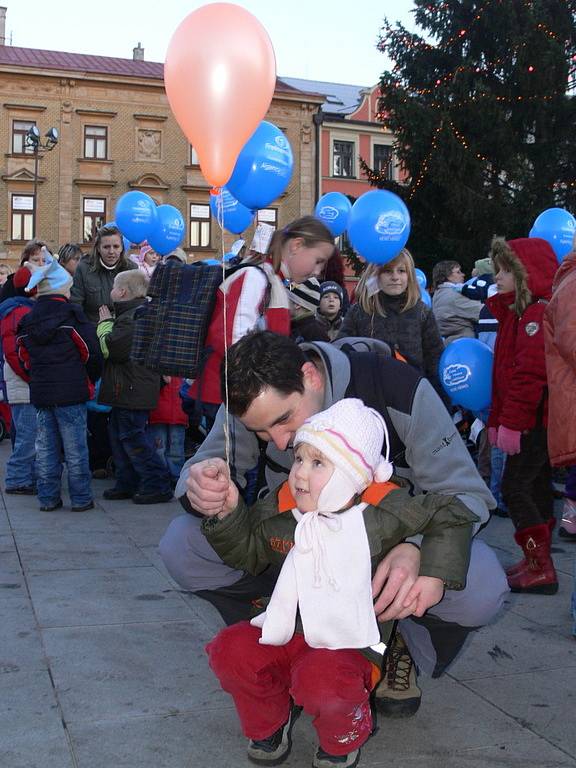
(220, 75)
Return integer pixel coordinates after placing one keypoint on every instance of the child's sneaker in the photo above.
(324, 760)
(276, 748)
(568, 523)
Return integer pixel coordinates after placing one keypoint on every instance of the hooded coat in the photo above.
(560, 342)
(58, 346)
(519, 386)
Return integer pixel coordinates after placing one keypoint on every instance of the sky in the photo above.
(331, 40)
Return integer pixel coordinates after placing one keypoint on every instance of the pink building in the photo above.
(347, 130)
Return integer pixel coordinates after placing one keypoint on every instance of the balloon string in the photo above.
(220, 217)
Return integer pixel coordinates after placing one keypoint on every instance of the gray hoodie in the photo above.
(437, 458)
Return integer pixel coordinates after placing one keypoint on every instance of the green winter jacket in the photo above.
(251, 538)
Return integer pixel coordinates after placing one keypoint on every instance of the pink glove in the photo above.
(509, 440)
(493, 435)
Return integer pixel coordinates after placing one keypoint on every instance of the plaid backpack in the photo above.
(170, 329)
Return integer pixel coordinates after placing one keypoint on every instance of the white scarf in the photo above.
(327, 574)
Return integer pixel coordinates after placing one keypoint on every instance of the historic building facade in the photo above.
(117, 133)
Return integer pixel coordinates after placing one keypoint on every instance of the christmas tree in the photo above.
(482, 107)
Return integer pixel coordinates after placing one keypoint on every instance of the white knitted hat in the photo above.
(351, 436)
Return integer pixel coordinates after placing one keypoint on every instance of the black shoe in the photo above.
(276, 748)
(51, 507)
(83, 507)
(115, 494)
(152, 498)
(23, 490)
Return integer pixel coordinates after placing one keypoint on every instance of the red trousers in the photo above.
(332, 686)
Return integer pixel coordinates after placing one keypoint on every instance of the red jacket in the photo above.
(560, 337)
(244, 293)
(169, 408)
(8, 332)
(519, 387)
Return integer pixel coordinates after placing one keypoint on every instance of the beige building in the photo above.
(116, 133)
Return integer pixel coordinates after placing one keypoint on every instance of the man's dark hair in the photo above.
(258, 360)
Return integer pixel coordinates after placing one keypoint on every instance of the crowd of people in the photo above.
(321, 471)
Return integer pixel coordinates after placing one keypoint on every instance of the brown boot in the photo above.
(517, 567)
(538, 576)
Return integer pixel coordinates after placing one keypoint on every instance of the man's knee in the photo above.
(189, 558)
(485, 592)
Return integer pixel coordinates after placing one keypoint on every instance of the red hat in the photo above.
(21, 280)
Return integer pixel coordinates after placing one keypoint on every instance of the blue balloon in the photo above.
(465, 371)
(168, 230)
(421, 278)
(136, 215)
(227, 211)
(127, 243)
(557, 227)
(379, 226)
(263, 169)
(333, 209)
(425, 296)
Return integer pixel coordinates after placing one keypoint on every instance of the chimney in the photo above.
(2, 25)
(138, 53)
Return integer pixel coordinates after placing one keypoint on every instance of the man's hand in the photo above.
(393, 580)
(210, 490)
(104, 313)
(426, 592)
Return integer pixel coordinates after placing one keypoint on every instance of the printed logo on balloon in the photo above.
(168, 231)
(465, 371)
(379, 226)
(333, 209)
(263, 169)
(229, 212)
(558, 228)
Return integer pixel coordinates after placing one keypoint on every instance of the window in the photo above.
(383, 160)
(343, 157)
(93, 217)
(19, 130)
(95, 142)
(268, 216)
(22, 217)
(199, 226)
(193, 156)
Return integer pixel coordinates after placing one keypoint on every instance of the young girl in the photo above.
(388, 307)
(259, 297)
(328, 526)
(146, 260)
(525, 269)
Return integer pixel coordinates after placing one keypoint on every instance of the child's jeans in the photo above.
(61, 436)
(498, 461)
(332, 686)
(168, 440)
(20, 472)
(137, 466)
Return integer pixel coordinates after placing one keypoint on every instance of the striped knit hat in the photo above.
(352, 437)
(306, 294)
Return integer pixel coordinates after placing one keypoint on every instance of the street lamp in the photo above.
(34, 141)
